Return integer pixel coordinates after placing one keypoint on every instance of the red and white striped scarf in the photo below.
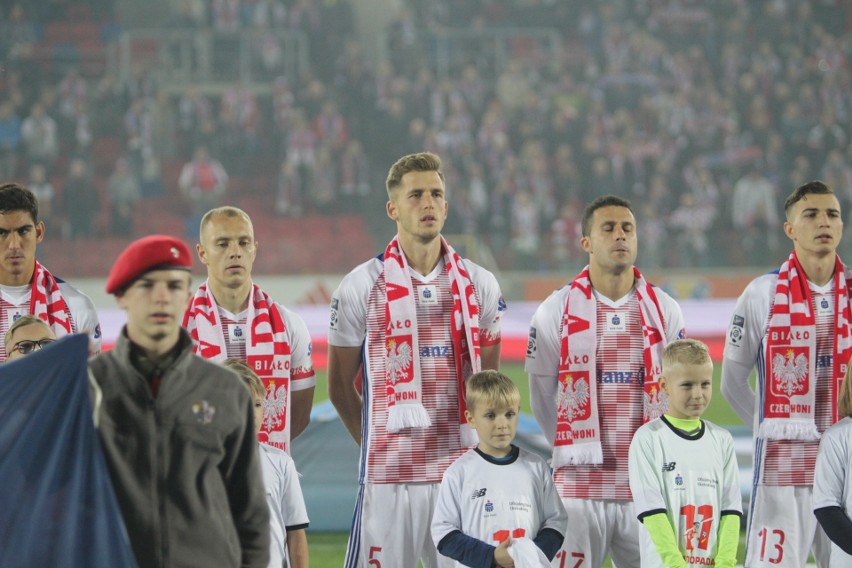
(789, 402)
(403, 378)
(578, 429)
(267, 353)
(46, 302)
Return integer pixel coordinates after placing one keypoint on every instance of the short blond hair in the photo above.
(224, 211)
(420, 162)
(685, 352)
(492, 388)
(249, 377)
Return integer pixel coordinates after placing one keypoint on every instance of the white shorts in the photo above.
(391, 527)
(782, 529)
(597, 527)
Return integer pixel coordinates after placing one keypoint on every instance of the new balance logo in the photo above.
(477, 493)
(669, 466)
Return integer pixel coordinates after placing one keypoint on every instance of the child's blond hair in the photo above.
(492, 388)
(685, 352)
(246, 373)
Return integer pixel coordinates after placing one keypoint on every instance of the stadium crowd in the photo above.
(704, 116)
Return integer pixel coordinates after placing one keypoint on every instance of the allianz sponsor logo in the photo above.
(621, 377)
(427, 351)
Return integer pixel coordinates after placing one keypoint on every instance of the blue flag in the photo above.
(57, 506)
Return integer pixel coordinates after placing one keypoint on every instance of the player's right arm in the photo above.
(343, 366)
(742, 345)
(346, 335)
(542, 361)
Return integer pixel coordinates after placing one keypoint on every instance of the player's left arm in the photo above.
(297, 548)
(731, 508)
(303, 379)
(85, 315)
(490, 317)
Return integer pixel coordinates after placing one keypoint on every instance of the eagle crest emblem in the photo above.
(574, 398)
(789, 372)
(398, 361)
(275, 407)
(656, 403)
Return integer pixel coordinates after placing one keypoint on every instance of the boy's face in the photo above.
(496, 426)
(690, 388)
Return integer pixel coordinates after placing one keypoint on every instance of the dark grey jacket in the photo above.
(184, 465)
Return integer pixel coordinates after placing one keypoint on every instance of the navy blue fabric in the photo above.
(57, 506)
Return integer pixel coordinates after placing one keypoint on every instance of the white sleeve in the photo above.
(542, 361)
(830, 473)
(732, 499)
(292, 500)
(491, 298)
(675, 328)
(642, 467)
(743, 345)
(553, 511)
(348, 316)
(301, 363)
(447, 517)
(84, 314)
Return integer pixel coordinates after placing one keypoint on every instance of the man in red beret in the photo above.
(231, 317)
(177, 431)
(27, 287)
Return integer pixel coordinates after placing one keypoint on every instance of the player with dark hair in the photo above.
(27, 287)
(795, 326)
(594, 360)
(230, 316)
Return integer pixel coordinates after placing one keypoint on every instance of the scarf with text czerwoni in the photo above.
(403, 379)
(267, 354)
(789, 389)
(577, 403)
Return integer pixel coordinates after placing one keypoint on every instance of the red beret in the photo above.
(156, 252)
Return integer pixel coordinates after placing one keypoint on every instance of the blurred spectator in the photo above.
(194, 109)
(40, 137)
(122, 189)
(203, 183)
(43, 191)
(19, 36)
(80, 200)
(10, 140)
(755, 214)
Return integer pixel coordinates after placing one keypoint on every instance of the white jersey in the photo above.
(490, 499)
(15, 302)
(358, 306)
(693, 480)
(301, 365)
(284, 497)
(620, 385)
(777, 462)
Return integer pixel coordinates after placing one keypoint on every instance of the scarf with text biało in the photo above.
(267, 354)
(789, 388)
(578, 429)
(46, 302)
(403, 379)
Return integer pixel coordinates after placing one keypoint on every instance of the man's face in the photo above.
(228, 249)
(612, 243)
(814, 224)
(19, 236)
(419, 205)
(29, 338)
(155, 304)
